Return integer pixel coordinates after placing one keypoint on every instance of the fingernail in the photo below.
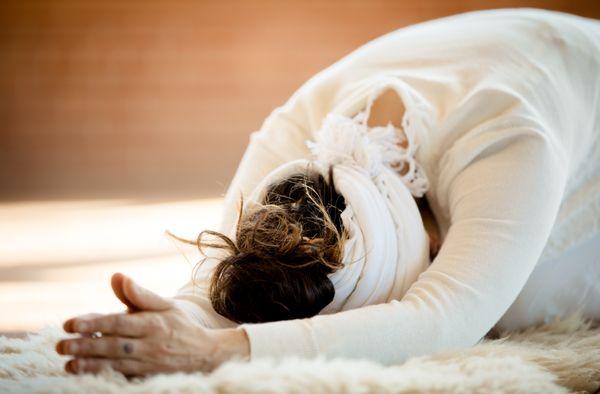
(80, 365)
(69, 366)
(81, 326)
(72, 348)
(68, 326)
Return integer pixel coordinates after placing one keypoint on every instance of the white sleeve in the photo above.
(502, 204)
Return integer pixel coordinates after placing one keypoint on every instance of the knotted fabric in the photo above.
(374, 169)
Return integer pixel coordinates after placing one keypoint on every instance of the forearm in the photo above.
(231, 344)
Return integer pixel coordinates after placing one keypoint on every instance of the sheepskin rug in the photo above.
(561, 357)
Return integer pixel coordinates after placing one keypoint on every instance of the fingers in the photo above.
(126, 366)
(135, 296)
(109, 346)
(143, 298)
(116, 282)
(121, 324)
(68, 325)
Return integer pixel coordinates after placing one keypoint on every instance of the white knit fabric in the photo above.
(387, 245)
(344, 140)
(505, 105)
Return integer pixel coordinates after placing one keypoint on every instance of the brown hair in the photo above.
(284, 248)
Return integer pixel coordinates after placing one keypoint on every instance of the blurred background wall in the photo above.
(145, 99)
(120, 119)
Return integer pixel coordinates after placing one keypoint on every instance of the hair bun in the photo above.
(284, 249)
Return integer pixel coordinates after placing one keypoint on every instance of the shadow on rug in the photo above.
(561, 357)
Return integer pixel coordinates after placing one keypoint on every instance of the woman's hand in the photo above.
(154, 336)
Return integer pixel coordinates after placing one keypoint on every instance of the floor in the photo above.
(56, 258)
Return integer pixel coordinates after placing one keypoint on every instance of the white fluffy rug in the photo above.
(557, 358)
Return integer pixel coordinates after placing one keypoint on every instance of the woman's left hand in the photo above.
(154, 336)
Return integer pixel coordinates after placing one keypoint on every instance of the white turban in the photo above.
(388, 246)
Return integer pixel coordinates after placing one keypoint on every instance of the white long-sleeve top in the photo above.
(507, 105)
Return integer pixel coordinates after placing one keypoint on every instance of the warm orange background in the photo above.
(138, 99)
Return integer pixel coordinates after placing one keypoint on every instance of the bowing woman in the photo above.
(437, 182)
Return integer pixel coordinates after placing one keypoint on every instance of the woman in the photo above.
(489, 118)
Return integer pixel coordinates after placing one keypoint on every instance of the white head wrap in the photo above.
(388, 246)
